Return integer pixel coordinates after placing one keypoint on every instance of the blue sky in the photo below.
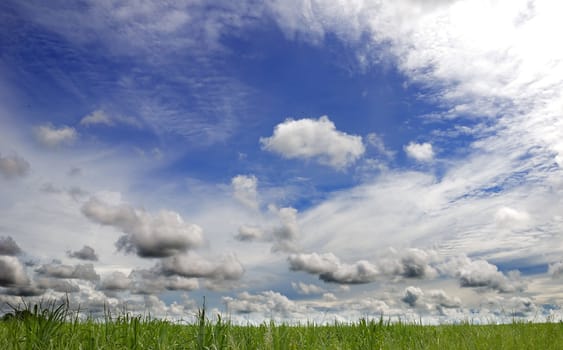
(294, 160)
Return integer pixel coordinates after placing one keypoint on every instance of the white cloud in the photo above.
(314, 139)
(306, 289)
(148, 235)
(421, 152)
(97, 117)
(376, 141)
(507, 217)
(245, 190)
(100, 117)
(13, 166)
(51, 136)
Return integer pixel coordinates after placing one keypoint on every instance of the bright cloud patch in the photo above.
(421, 152)
(314, 139)
(244, 190)
(50, 136)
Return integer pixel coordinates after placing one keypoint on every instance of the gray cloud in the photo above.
(9, 247)
(412, 295)
(25, 291)
(286, 235)
(481, 273)
(265, 302)
(444, 300)
(359, 272)
(86, 253)
(411, 263)
(249, 233)
(307, 289)
(12, 273)
(116, 281)
(555, 269)
(154, 282)
(58, 285)
(148, 235)
(226, 268)
(283, 236)
(80, 271)
(13, 166)
(330, 269)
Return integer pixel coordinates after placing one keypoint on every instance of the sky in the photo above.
(287, 160)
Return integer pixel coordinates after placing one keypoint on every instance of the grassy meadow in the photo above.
(55, 327)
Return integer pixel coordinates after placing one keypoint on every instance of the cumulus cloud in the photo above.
(148, 235)
(244, 190)
(482, 274)
(442, 299)
(265, 302)
(12, 273)
(13, 166)
(80, 271)
(286, 234)
(412, 295)
(86, 253)
(410, 263)
(313, 263)
(421, 152)
(306, 289)
(331, 269)
(249, 233)
(314, 139)
(555, 269)
(8, 246)
(51, 136)
(116, 281)
(57, 285)
(190, 265)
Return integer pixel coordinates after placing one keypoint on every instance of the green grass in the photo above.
(54, 326)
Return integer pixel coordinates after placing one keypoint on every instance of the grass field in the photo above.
(55, 327)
